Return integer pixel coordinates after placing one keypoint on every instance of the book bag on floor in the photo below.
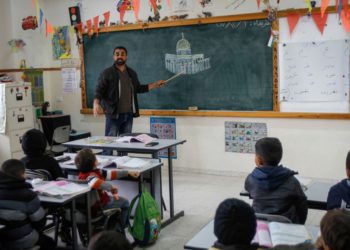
(146, 219)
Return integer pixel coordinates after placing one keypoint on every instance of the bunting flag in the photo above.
(293, 19)
(49, 28)
(339, 7)
(106, 16)
(324, 5)
(79, 27)
(37, 10)
(258, 2)
(320, 21)
(345, 5)
(136, 4)
(89, 26)
(41, 18)
(168, 2)
(33, 4)
(345, 16)
(154, 6)
(96, 19)
(122, 10)
(308, 4)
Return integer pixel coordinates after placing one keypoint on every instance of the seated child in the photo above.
(234, 225)
(335, 230)
(109, 240)
(34, 146)
(339, 194)
(20, 210)
(273, 188)
(86, 163)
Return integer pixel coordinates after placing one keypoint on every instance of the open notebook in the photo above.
(139, 138)
(270, 234)
(58, 189)
(124, 162)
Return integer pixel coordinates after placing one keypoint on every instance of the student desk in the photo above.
(316, 192)
(109, 143)
(205, 238)
(71, 199)
(129, 191)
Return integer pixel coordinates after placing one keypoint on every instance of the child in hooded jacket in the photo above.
(273, 188)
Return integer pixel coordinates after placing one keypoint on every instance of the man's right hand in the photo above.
(97, 109)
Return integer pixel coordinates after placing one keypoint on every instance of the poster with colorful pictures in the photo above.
(165, 128)
(240, 137)
(61, 43)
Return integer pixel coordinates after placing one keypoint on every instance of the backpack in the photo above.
(146, 222)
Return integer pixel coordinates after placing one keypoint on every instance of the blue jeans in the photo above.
(118, 126)
(123, 204)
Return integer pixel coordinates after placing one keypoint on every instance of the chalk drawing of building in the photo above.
(184, 61)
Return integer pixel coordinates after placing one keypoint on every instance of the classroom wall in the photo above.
(315, 148)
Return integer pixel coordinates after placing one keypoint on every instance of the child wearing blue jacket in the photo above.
(273, 188)
(339, 194)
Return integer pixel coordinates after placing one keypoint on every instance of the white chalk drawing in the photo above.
(184, 61)
(314, 71)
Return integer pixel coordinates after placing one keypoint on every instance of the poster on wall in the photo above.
(240, 137)
(61, 43)
(164, 128)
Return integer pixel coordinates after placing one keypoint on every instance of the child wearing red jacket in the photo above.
(86, 163)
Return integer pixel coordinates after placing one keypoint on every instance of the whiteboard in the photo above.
(306, 32)
(314, 71)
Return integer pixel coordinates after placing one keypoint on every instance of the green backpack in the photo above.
(146, 220)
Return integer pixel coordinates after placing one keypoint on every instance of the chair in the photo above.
(272, 217)
(43, 174)
(60, 135)
(104, 219)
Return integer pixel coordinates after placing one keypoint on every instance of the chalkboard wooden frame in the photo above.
(259, 114)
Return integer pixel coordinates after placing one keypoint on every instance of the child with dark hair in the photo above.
(273, 188)
(20, 210)
(109, 240)
(335, 231)
(86, 163)
(234, 226)
(339, 194)
(34, 146)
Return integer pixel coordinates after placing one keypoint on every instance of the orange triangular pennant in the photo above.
(96, 19)
(79, 27)
(89, 26)
(292, 21)
(106, 15)
(258, 2)
(136, 5)
(345, 5)
(320, 21)
(345, 17)
(324, 5)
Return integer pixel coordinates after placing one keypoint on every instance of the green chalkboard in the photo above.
(228, 64)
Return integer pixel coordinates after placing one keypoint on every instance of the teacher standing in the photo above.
(116, 94)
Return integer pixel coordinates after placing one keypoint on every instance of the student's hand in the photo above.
(160, 83)
(134, 174)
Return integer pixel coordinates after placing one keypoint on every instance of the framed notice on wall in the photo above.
(165, 128)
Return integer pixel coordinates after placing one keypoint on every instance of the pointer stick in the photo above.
(175, 76)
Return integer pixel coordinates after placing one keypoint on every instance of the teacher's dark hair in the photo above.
(121, 47)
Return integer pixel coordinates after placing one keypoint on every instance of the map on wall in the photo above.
(164, 128)
(240, 137)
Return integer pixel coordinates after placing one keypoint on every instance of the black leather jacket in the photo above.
(108, 90)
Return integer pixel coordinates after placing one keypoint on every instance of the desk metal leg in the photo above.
(74, 225)
(88, 215)
(173, 216)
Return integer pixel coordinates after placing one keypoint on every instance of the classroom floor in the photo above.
(199, 195)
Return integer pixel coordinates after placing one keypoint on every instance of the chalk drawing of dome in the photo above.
(184, 61)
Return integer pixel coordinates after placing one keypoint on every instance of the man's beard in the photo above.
(120, 62)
